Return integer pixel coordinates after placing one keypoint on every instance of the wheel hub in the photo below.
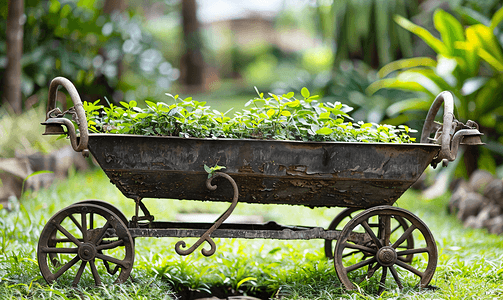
(87, 251)
(386, 256)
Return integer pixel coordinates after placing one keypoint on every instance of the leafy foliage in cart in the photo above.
(280, 117)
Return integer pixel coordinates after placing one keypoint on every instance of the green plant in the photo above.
(468, 64)
(276, 117)
(212, 170)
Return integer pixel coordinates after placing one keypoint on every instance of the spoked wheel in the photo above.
(381, 248)
(398, 226)
(77, 236)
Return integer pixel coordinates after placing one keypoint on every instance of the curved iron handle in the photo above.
(450, 133)
(430, 126)
(81, 120)
(206, 236)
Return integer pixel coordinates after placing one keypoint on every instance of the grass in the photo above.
(470, 261)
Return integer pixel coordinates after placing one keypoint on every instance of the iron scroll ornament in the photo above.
(207, 235)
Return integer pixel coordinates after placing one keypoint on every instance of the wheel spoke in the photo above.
(84, 226)
(410, 268)
(67, 234)
(361, 264)
(79, 273)
(360, 247)
(75, 222)
(102, 232)
(382, 282)
(59, 250)
(114, 260)
(91, 220)
(65, 268)
(412, 251)
(350, 253)
(404, 236)
(372, 270)
(96, 276)
(372, 234)
(387, 229)
(110, 245)
(396, 228)
(396, 277)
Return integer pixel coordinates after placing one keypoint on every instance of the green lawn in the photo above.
(470, 262)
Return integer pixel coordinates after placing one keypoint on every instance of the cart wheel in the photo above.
(85, 232)
(52, 240)
(398, 225)
(382, 254)
(111, 208)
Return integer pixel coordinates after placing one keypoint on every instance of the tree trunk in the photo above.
(192, 63)
(15, 22)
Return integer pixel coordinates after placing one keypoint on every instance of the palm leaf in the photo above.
(436, 44)
(497, 18)
(405, 64)
(450, 30)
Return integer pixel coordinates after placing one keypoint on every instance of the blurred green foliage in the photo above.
(364, 29)
(75, 39)
(468, 63)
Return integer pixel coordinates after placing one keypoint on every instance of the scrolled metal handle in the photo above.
(78, 145)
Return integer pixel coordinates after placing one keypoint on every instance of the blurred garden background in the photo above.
(386, 59)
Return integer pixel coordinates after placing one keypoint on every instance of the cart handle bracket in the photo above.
(55, 119)
(451, 133)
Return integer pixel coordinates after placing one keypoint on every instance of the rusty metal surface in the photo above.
(274, 172)
(270, 230)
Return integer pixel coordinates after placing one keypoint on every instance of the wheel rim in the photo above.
(383, 254)
(399, 225)
(108, 206)
(78, 236)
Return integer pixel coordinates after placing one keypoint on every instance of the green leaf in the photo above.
(270, 112)
(305, 92)
(497, 18)
(491, 60)
(424, 34)
(244, 280)
(151, 104)
(450, 30)
(406, 64)
(406, 84)
(324, 131)
(484, 38)
(408, 105)
(324, 116)
(295, 103)
(289, 95)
